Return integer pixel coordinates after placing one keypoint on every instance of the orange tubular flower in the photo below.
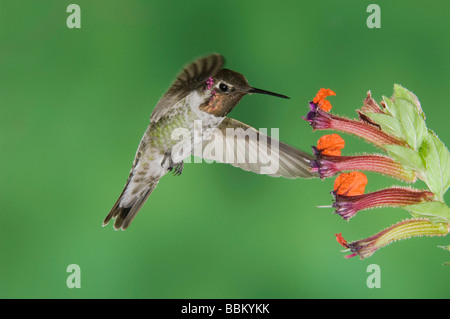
(322, 120)
(412, 152)
(347, 206)
(416, 227)
(328, 166)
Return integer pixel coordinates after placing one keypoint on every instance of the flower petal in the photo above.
(341, 240)
(350, 184)
(331, 144)
(323, 94)
(325, 105)
(320, 97)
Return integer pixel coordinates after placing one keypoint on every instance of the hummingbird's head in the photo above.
(225, 90)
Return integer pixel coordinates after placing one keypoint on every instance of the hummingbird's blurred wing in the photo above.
(193, 76)
(243, 146)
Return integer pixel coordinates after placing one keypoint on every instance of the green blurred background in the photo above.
(75, 103)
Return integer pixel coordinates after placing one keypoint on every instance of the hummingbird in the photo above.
(204, 92)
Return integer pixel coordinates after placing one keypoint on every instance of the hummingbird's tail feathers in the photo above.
(129, 204)
(242, 146)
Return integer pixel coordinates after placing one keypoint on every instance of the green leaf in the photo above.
(389, 124)
(414, 128)
(437, 164)
(401, 93)
(390, 106)
(407, 157)
(434, 211)
(406, 109)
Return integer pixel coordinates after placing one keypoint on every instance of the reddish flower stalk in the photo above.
(321, 120)
(403, 230)
(348, 206)
(328, 166)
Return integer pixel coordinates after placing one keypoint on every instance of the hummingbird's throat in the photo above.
(209, 87)
(216, 103)
(213, 104)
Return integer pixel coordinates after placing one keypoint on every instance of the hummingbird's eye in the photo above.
(223, 87)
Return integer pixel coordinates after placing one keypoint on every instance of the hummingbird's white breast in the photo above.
(199, 125)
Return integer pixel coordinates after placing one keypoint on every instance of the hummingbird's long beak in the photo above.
(255, 90)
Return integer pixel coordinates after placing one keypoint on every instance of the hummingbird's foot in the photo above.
(177, 168)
